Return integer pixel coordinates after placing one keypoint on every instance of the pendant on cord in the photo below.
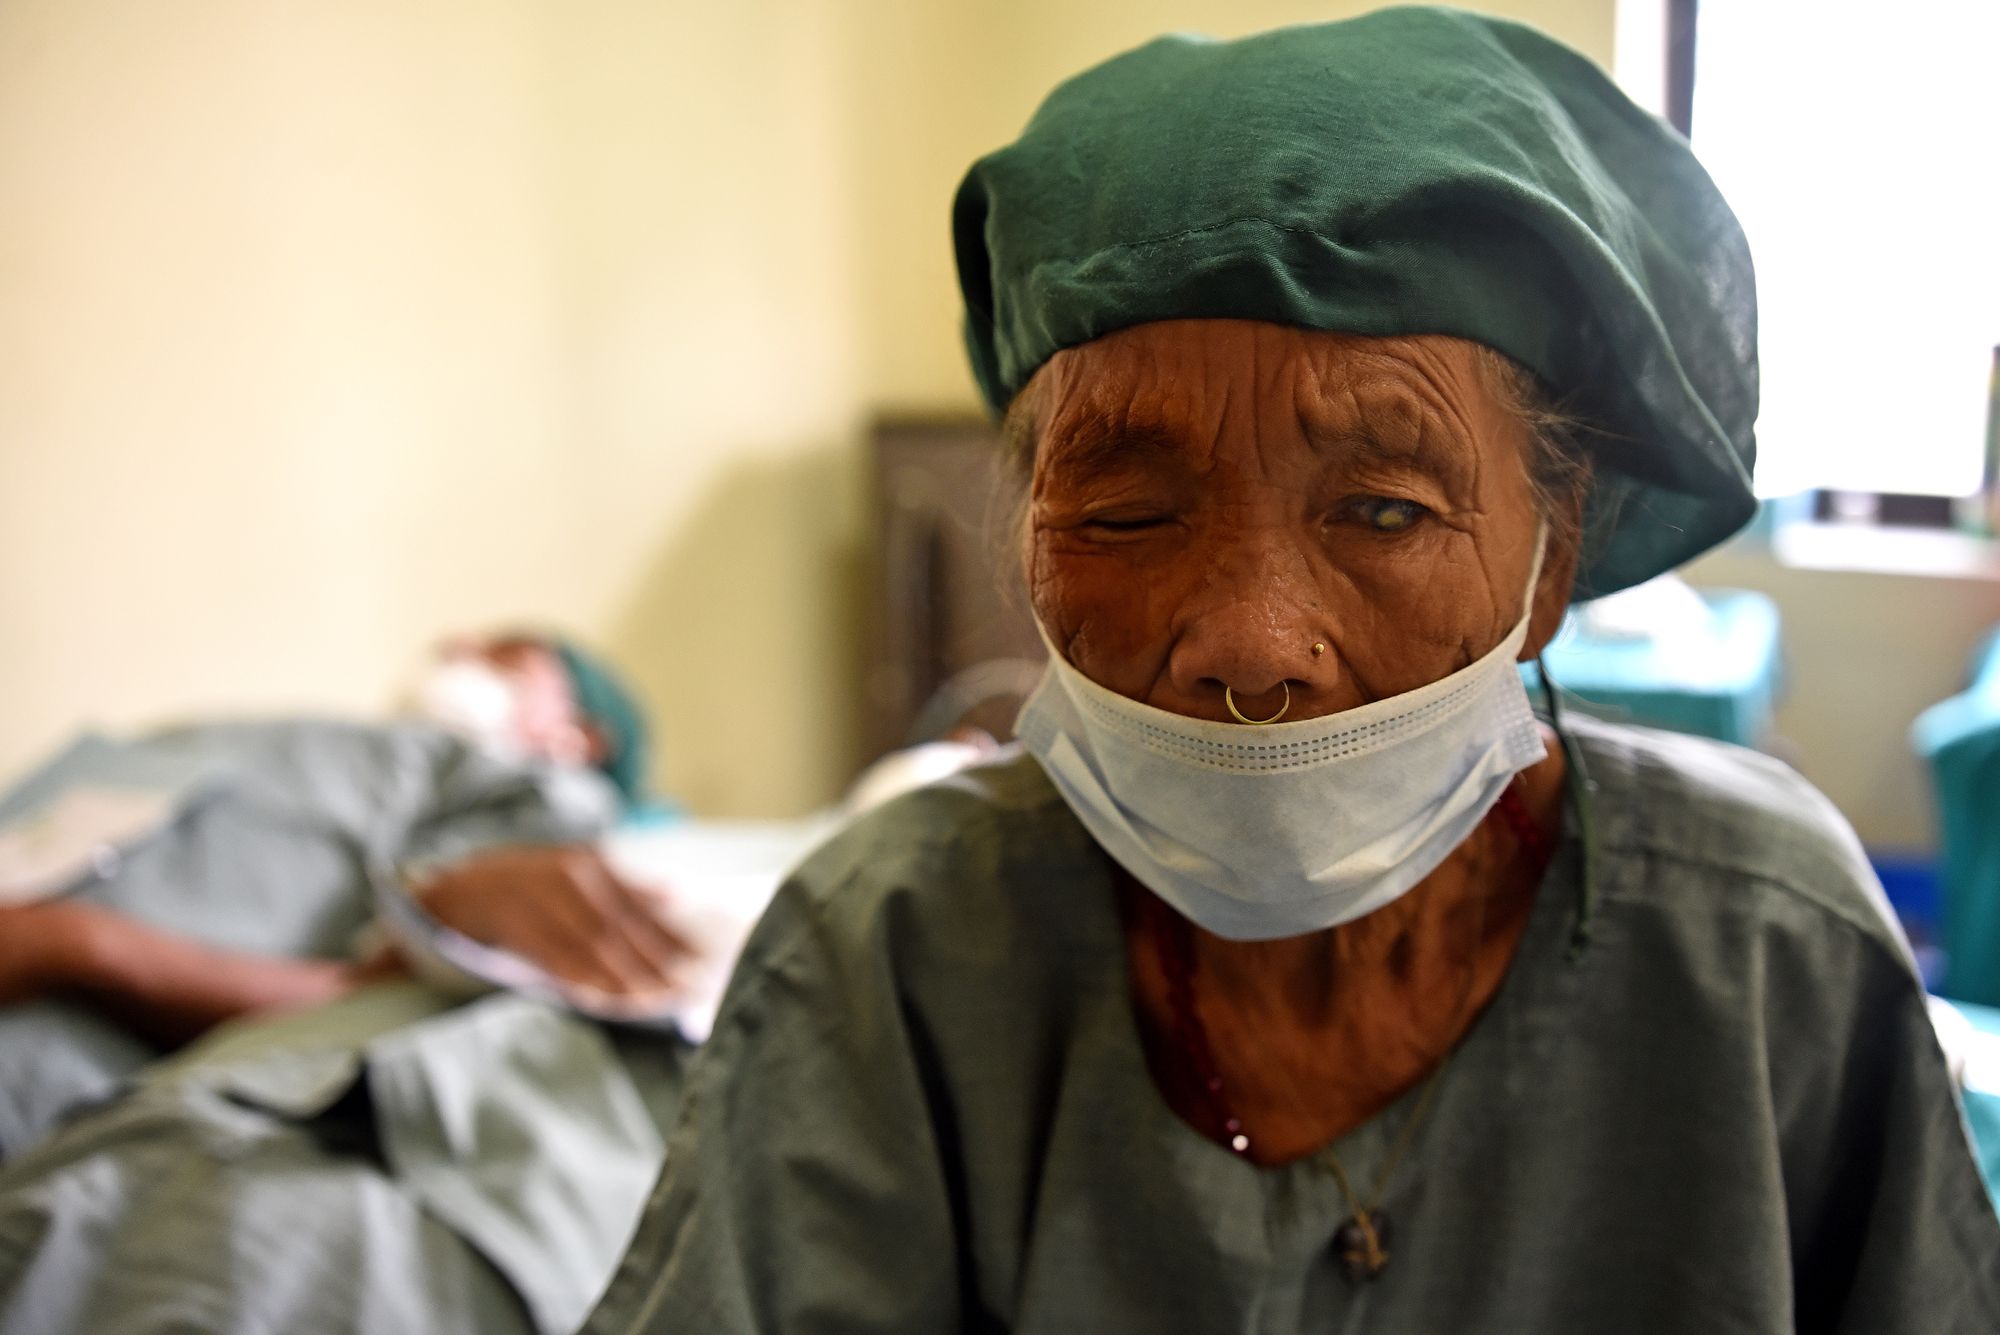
(1363, 1244)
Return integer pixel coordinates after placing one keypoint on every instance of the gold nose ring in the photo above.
(1229, 699)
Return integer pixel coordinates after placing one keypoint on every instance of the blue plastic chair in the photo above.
(1960, 738)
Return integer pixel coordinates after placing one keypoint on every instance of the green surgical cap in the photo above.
(1413, 171)
(603, 699)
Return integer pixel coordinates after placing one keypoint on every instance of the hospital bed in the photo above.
(416, 1156)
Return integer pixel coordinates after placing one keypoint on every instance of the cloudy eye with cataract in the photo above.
(1385, 514)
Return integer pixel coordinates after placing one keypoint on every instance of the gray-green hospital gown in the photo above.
(925, 1107)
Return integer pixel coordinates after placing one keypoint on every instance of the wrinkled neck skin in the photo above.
(1211, 499)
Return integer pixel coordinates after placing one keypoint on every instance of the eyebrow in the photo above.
(1422, 453)
(1098, 442)
(1389, 429)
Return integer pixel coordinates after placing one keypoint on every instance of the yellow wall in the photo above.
(1865, 652)
(329, 327)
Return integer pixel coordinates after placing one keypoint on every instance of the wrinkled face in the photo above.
(1211, 498)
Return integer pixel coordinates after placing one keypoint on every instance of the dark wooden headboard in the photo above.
(950, 638)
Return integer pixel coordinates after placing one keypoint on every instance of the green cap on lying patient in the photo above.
(603, 698)
(1414, 171)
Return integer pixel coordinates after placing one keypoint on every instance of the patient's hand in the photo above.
(41, 949)
(565, 910)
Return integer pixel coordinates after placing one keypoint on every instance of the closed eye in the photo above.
(1125, 523)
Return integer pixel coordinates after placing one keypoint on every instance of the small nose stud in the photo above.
(1318, 649)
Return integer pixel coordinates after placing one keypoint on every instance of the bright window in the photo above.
(1860, 148)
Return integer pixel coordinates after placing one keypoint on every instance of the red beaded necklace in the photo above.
(1363, 1240)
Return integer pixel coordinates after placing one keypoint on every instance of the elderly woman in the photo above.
(1296, 978)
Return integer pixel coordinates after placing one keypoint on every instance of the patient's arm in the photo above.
(159, 984)
(561, 907)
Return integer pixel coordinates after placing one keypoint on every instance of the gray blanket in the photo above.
(389, 1163)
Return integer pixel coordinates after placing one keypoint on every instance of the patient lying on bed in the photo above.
(250, 897)
(358, 1148)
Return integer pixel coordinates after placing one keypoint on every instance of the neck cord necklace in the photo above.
(1363, 1241)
